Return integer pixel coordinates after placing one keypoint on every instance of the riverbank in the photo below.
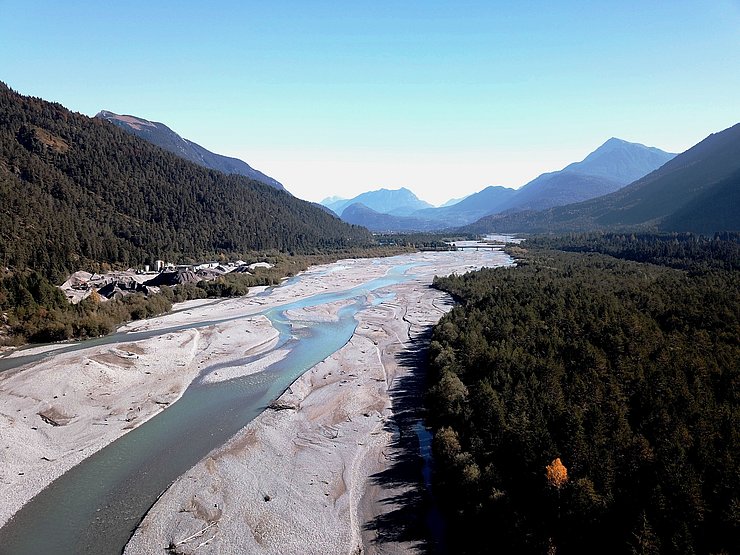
(65, 408)
(315, 474)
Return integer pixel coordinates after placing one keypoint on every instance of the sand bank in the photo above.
(63, 409)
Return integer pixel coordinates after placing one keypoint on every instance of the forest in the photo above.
(587, 401)
(686, 251)
(421, 240)
(78, 192)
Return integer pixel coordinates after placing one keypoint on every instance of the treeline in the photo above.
(78, 191)
(687, 251)
(586, 404)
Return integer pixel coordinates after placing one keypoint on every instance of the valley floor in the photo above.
(295, 480)
(303, 477)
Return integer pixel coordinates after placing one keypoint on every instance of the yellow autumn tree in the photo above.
(556, 473)
(95, 296)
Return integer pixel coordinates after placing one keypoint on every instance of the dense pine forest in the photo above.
(77, 192)
(686, 251)
(587, 401)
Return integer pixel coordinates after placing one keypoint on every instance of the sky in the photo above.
(337, 98)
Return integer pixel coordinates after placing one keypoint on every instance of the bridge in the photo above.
(482, 246)
(477, 247)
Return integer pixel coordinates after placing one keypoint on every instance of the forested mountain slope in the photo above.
(471, 208)
(75, 189)
(360, 214)
(161, 135)
(559, 188)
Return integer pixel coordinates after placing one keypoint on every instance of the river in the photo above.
(96, 505)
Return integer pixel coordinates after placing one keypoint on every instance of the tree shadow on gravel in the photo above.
(413, 517)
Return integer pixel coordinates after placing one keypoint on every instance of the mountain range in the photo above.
(162, 136)
(698, 191)
(77, 191)
(359, 214)
(398, 202)
(610, 167)
(80, 191)
(471, 208)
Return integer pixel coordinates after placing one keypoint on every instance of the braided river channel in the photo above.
(96, 505)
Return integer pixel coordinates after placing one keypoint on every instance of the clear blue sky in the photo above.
(340, 97)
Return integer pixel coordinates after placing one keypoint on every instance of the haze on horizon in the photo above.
(442, 98)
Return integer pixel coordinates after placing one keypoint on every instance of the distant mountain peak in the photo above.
(620, 161)
(132, 121)
(399, 202)
(617, 143)
(333, 198)
(399, 191)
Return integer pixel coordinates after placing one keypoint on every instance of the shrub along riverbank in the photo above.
(585, 403)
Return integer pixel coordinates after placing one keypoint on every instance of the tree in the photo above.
(556, 474)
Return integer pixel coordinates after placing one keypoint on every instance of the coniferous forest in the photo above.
(77, 191)
(584, 402)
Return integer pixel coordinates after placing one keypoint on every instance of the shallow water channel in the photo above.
(95, 506)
